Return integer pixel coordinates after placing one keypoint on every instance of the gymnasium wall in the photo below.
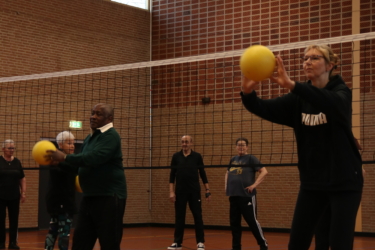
(186, 28)
(39, 36)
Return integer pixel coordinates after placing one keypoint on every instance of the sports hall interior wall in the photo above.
(39, 36)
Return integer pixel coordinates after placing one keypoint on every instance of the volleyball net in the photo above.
(158, 102)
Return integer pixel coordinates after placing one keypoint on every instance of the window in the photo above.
(136, 3)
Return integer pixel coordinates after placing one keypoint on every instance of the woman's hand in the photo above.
(248, 85)
(282, 78)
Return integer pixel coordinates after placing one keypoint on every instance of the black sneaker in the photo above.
(13, 245)
(175, 246)
(264, 248)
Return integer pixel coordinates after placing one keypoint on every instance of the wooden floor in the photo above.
(155, 238)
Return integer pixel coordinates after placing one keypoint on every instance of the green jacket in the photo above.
(100, 170)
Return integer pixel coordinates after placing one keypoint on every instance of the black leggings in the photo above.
(311, 205)
(322, 231)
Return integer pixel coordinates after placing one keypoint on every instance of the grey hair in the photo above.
(7, 141)
(65, 135)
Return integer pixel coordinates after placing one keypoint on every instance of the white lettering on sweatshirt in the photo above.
(313, 120)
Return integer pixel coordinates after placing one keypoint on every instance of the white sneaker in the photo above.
(200, 246)
(175, 246)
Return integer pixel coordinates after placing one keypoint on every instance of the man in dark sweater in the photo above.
(102, 180)
(186, 164)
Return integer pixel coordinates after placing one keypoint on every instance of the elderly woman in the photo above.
(61, 196)
(329, 163)
(12, 192)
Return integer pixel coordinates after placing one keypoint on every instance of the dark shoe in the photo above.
(2, 245)
(264, 248)
(13, 245)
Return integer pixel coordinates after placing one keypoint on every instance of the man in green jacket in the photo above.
(102, 180)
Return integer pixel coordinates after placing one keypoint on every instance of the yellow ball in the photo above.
(78, 187)
(40, 151)
(257, 63)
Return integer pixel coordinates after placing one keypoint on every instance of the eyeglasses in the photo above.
(11, 148)
(313, 58)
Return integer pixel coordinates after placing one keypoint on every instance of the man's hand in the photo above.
(55, 157)
(23, 198)
(172, 196)
(208, 196)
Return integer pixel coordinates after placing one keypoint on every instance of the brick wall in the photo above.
(186, 28)
(39, 36)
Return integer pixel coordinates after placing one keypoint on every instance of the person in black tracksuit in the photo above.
(186, 164)
(240, 186)
(329, 163)
(60, 197)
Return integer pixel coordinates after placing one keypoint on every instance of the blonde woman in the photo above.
(329, 163)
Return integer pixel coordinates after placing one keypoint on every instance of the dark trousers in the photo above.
(195, 205)
(322, 231)
(246, 207)
(99, 218)
(310, 207)
(13, 213)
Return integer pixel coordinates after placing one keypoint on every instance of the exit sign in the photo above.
(75, 124)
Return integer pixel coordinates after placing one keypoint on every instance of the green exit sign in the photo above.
(75, 124)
